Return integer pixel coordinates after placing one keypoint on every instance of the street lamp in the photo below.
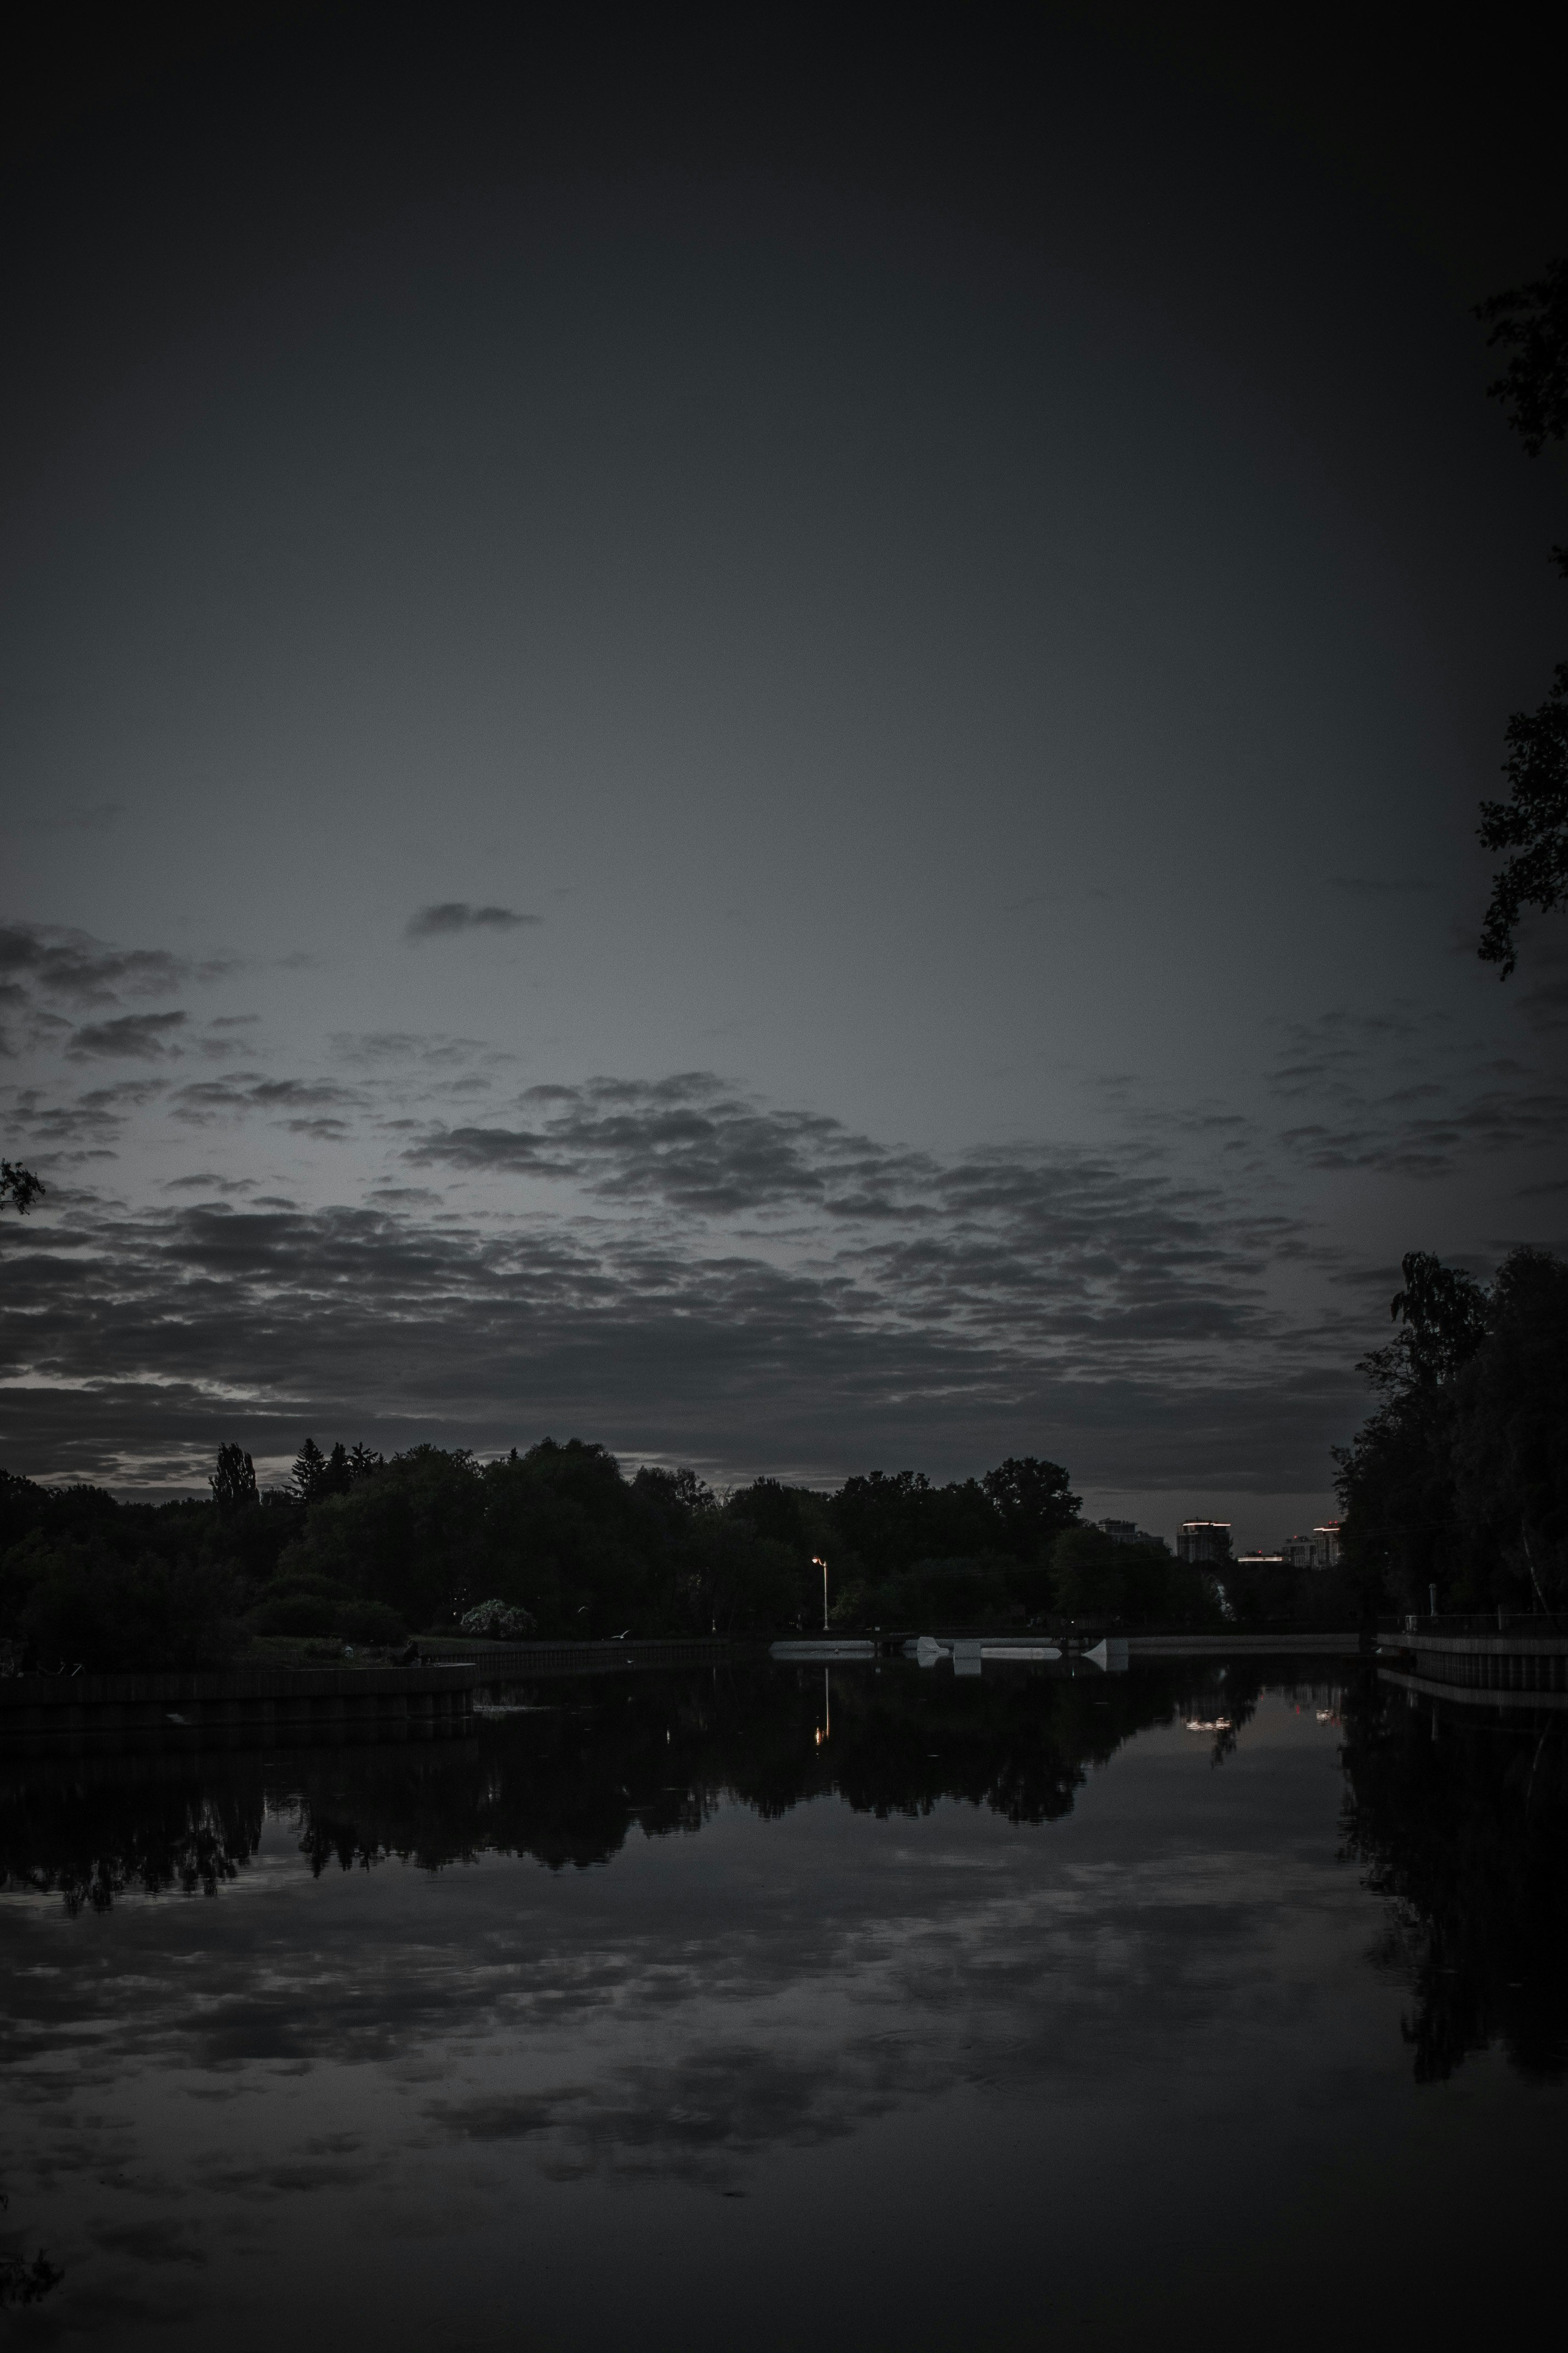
(818, 1562)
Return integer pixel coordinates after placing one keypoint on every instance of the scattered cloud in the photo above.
(204, 1100)
(453, 916)
(753, 1285)
(94, 1117)
(686, 1269)
(72, 968)
(1411, 1095)
(133, 1036)
(397, 1048)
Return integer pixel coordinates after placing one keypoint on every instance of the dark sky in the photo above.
(760, 738)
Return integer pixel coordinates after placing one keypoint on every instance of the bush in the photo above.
(303, 1604)
(499, 1621)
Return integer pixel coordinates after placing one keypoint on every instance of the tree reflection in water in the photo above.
(1460, 1822)
(97, 1829)
(567, 1770)
(1461, 1818)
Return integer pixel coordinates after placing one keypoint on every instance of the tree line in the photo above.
(1455, 1490)
(559, 1541)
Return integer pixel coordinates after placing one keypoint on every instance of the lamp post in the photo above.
(818, 1562)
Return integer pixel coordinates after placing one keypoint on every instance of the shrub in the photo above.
(500, 1622)
(303, 1604)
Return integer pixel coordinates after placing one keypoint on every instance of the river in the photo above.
(756, 2008)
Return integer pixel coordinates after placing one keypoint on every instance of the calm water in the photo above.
(739, 2010)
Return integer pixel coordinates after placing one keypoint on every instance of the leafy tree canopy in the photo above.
(234, 1481)
(1531, 323)
(365, 1549)
(1460, 1478)
(19, 1188)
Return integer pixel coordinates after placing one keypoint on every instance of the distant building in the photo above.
(1260, 1560)
(1204, 1541)
(1319, 1550)
(1129, 1532)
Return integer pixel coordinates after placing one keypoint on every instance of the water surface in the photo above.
(755, 2008)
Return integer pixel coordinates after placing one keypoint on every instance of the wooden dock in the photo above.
(266, 1707)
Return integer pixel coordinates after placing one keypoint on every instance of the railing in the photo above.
(1527, 1624)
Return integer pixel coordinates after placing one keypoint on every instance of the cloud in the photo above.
(44, 967)
(451, 915)
(1410, 1095)
(134, 1037)
(881, 1306)
(392, 1049)
(52, 962)
(206, 1100)
(688, 1141)
(96, 1117)
(1039, 1244)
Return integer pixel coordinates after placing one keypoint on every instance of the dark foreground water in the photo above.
(998, 2011)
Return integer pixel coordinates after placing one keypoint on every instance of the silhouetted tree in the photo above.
(234, 1482)
(1033, 1501)
(79, 1600)
(1129, 1584)
(19, 1188)
(1532, 823)
(24, 2279)
(1531, 323)
(310, 1472)
(1460, 1478)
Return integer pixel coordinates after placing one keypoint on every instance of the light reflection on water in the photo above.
(882, 2008)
